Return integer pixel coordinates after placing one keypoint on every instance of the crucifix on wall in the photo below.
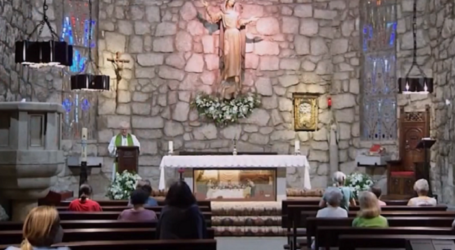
(118, 68)
(118, 65)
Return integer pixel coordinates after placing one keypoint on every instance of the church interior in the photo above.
(256, 105)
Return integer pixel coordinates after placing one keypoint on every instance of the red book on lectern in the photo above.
(375, 149)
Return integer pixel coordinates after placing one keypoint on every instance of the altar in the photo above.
(236, 177)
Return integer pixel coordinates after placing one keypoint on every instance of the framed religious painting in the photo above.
(306, 111)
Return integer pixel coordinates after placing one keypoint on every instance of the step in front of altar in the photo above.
(247, 219)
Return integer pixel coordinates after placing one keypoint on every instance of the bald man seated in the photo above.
(124, 138)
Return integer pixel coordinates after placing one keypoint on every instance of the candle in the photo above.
(297, 146)
(171, 147)
(84, 144)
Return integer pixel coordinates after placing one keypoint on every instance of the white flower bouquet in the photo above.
(358, 182)
(123, 185)
(224, 112)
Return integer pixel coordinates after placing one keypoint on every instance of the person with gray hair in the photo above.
(333, 209)
(124, 138)
(422, 188)
(333, 200)
(339, 179)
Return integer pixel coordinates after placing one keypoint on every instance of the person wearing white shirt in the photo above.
(124, 138)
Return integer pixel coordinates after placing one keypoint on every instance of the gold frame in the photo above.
(312, 99)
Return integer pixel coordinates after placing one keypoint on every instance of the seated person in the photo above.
(181, 217)
(84, 204)
(138, 212)
(333, 199)
(339, 179)
(421, 187)
(377, 191)
(333, 210)
(146, 186)
(370, 212)
(41, 230)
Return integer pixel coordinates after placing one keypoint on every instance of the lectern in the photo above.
(127, 159)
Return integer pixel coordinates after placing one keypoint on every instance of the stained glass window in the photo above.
(379, 102)
(79, 111)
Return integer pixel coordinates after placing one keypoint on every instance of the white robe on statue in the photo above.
(112, 148)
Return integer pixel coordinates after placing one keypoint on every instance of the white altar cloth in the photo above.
(235, 161)
(225, 193)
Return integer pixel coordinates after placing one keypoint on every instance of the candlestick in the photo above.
(171, 147)
(234, 150)
(407, 87)
(84, 145)
(297, 146)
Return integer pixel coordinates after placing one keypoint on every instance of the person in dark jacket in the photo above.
(181, 218)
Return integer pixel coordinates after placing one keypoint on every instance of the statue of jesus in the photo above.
(232, 40)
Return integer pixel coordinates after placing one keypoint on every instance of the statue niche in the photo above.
(231, 46)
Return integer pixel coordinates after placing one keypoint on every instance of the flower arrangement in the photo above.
(358, 182)
(123, 185)
(224, 112)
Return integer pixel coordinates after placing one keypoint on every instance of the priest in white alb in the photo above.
(124, 138)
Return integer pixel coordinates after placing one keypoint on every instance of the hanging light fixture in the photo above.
(90, 80)
(415, 85)
(40, 53)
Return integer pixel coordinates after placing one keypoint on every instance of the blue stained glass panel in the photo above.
(379, 88)
(79, 111)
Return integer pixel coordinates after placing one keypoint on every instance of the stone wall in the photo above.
(295, 46)
(443, 45)
(304, 47)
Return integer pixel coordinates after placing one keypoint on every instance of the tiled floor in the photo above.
(250, 243)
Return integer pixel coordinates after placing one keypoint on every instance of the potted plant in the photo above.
(122, 186)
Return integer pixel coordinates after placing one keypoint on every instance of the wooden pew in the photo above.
(206, 244)
(313, 223)
(67, 215)
(328, 236)
(297, 225)
(291, 202)
(94, 234)
(296, 213)
(121, 208)
(124, 203)
(289, 208)
(79, 224)
(351, 242)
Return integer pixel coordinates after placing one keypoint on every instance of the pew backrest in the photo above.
(124, 203)
(328, 236)
(206, 244)
(75, 224)
(352, 242)
(67, 215)
(94, 234)
(294, 212)
(313, 223)
(121, 208)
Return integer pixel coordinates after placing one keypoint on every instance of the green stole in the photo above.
(118, 143)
